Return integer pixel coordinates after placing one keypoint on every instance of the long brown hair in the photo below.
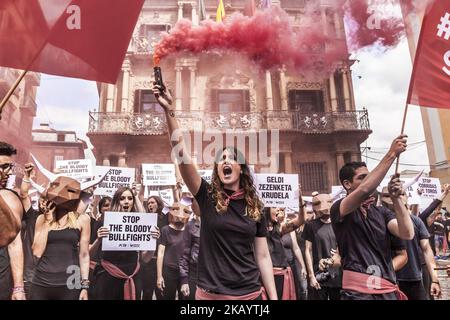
(115, 203)
(254, 204)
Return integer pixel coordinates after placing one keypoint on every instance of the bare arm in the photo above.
(25, 186)
(400, 260)
(159, 266)
(85, 224)
(15, 251)
(298, 254)
(401, 227)
(265, 266)
(187, 167)
(373, 179)
(309, 265)
(10, 217)
(431, 265)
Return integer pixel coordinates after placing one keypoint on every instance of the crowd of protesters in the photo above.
(218, 241)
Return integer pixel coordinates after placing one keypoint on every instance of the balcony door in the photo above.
(306, 101)
(229, 101)
(145, 102)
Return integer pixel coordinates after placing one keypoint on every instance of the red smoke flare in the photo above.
(269, 39)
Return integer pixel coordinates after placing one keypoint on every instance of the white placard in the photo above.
(278, 190)
(159, 175)
(167, 196)
(430, 187)
(11, 184)
(115, 178)
(338, 192)
(206, 174)
(76, 169)
(129, 231)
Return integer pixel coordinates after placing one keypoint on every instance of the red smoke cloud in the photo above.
(367, 27)
(269, 39)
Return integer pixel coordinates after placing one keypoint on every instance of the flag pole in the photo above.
(403, 131)
(11, 91)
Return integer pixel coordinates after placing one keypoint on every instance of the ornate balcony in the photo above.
(155, 123)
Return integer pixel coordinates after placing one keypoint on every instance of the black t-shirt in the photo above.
(28, 227)
(276, 249)
(173, 241)
(413, 269)
(322, 238)
(286, 240)
(364, 242)
(125, 260)
(226, 262)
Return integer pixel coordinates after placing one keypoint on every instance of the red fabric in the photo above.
(129, 288)
(430, 81)
(288, 283)
(43, 36)
(201, 294)
(92, 265)
(237, 195)
(369, 284)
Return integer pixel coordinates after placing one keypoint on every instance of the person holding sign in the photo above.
(363, 230)
(118, 276)
(233, 255)
(283, 272)
(169, 252)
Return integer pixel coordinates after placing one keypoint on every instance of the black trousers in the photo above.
(325, 293)
(149, 281)
(53, 293)
(172, 284)
(352, 295)
(414, 290)
(107, 287)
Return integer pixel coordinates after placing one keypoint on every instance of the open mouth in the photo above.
(126, 207)
(227, 171)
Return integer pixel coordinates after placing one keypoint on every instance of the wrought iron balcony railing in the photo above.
(155, 123)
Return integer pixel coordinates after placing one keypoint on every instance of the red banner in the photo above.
(430, 81)
(85, 39)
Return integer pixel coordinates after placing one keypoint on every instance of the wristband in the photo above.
(437, 282)
(18, 289)
(26, 180)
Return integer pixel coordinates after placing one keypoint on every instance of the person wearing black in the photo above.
(303, 287)
(103, 205)
(363, 230)
(118, 271)
(189, 257)
(234, 257)
(320, 243)
(283, 272)
(61, 241)
(154, 205)
(169, 252)
(28, 226)
(11, 214)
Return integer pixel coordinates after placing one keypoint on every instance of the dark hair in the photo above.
(159, 202)
(115, 203)
(6, 149)
(101, 203)
(347, 172)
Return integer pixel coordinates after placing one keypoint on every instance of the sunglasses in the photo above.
(6, 166)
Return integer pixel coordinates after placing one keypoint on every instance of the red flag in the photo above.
(85, 39)
(430, 81)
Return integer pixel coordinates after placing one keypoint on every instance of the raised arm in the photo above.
(185, 163)
(401, 227)
(25, 186)
(373, 179)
